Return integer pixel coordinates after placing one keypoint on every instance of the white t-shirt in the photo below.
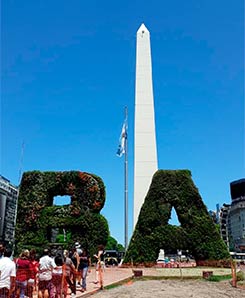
(58, 270)
(7, 269)
(79, 251)
(46, 265)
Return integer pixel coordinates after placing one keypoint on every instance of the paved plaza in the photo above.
(110, 276)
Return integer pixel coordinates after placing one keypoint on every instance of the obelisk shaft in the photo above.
(145, 152)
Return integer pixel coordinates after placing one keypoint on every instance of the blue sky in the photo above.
(68, 71)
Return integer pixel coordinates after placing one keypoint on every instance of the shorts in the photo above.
(45, 285)
(100, 264)
(4, 293)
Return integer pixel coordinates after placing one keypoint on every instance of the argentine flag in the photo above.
(122, 140)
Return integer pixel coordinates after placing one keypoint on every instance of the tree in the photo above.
(112, 244)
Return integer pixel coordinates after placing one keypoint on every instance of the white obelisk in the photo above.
(145, 151)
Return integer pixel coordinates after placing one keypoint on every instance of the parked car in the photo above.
(113, 257)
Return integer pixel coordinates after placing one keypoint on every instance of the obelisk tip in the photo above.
(142, 28)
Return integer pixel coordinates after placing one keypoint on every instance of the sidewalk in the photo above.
(111, 275)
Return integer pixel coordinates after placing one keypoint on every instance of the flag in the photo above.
(122, 140)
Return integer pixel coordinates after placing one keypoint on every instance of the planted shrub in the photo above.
(240, 276)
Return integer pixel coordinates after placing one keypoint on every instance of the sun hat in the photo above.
(77, 245)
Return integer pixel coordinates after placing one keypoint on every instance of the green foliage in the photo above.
(217, 278)
(113, 244)
(37, 216)
(240, 276)
(120, 247)
(61, 237)
(197, 233)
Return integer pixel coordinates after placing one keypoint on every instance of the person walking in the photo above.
(75, 257)
(7, 274)
(58, 277)
(99, 266)
(84, 267)
(32, 281)
(78, 248)
(70, 273)
(23, 270)
(78, 255)
(46, 266)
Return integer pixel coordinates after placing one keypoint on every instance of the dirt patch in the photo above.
(173, 288)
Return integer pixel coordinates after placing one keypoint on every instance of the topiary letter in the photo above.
(37, 216)
(197, 232)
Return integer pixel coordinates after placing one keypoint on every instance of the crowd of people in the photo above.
(49, 276)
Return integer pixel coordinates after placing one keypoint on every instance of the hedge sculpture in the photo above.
(197, 233)
(37, 215)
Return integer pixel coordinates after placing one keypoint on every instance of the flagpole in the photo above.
(126, 181)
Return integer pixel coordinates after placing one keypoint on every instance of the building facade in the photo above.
(236, 219)
(232, 218)
(8, 210)
(224, 211)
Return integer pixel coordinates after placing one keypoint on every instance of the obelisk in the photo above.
(145, 151)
